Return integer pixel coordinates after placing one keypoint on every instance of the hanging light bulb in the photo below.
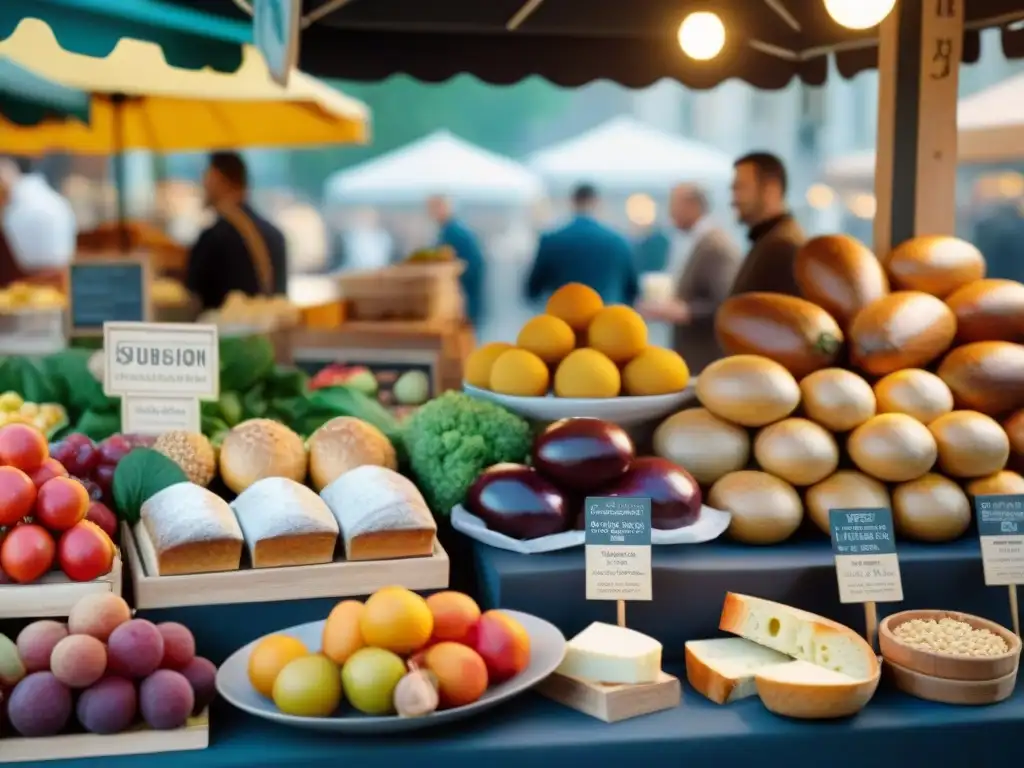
(859, 14)
(702, 35)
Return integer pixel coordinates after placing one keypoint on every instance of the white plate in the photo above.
(624, 411)
(547, 647)
(711, 524)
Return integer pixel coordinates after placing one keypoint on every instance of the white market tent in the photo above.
(437, 164)
(990, 129)
(625, 154)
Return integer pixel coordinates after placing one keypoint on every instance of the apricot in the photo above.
(520, 372)
(454, 615)
(461, 673)
(503, 643)
(655, 371)
(576, 304)
(272, 654)
(342, 636)
(618, 332)
(477, 370)
(587, 373)
(98, 614)
(547, 337)
(396, 619)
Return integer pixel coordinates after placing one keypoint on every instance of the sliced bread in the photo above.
(723, 669)
(802, 635)
(810, 692)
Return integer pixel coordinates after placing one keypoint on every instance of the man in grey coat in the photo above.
(701, 285)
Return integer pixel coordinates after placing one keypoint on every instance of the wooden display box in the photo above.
(612, 703)
(54, 594)
(139, 741)
(266, 585)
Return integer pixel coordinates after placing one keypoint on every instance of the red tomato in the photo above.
(48, 470)
(62, 502)
(23, 447)
(27, 553)
(17, 495)
(85, 552)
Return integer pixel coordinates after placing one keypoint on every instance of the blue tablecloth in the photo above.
(690, 583)
(541, 734)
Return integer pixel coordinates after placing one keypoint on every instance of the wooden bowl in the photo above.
(946, 691)
(948, 666)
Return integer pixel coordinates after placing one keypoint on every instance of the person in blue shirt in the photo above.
(584, 251)
(460, 239)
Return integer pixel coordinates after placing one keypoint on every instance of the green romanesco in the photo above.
(453, 438)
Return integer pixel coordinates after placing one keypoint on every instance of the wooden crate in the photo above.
(612, 703)
(54, 594)
(405, 292)
(138, 741)
(265, 585)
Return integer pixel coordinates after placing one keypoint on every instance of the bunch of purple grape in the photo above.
(93, 464)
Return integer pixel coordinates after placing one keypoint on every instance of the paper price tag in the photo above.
(618, 548)
(1001, 530)
(157, 415)
(163, 360)
(867, 567)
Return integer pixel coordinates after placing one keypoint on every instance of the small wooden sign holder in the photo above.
(1014, 609)
(871, 622)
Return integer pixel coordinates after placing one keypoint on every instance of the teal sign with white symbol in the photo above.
(276, 33)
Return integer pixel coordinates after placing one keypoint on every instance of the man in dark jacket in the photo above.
(759, 197)
(240, 251)
(460, 238)
(584, 251)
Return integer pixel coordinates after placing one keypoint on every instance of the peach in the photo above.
(454, 616)
(503, 643)
(461, 673)
(342, 636)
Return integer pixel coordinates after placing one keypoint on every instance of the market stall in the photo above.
(896, 484)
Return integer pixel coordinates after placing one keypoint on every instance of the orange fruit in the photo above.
(576, 304)
(655, 371)
(396, 619)
(519, 372)
(477, 370)
(272, 654)
(342, 636)
(548, 337)
(618, 332)
(587, 373)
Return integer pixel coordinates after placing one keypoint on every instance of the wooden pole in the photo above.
(871, 622)
(919, 55)
(1014, 610)
(620, 613)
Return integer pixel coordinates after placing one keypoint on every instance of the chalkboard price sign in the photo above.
(115, 290)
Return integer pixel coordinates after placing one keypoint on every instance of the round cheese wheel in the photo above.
(765, 509)
(893, 447)
(931, 508)
(845, 489)
(701, 443)
(797, 451)
(837, 399)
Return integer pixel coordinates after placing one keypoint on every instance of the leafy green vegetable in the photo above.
(140, 475)
(244, 362)
(329, 402)
(254, 402)
(286, 383)
(211, 425)
(77, 388)
(28, 379)
(99, 425)
(230, 405)
(453, 438)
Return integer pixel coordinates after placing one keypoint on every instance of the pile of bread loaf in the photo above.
(364, 502)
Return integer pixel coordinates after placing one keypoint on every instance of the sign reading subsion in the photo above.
(1001, 530)
(157, 415)
(618, 548)
(864, 546)
(177, 360)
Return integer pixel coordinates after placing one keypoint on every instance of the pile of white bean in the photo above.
(950, 636)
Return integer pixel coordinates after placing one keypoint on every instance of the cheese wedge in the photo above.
(604, 653)
(723, 669)
(802, 635)
(809, 692)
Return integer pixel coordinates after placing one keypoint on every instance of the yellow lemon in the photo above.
(477, 371)
(576, 304)
(519, 372)
(547, 337)
(655, 371)
(618, 332)
(587, 373)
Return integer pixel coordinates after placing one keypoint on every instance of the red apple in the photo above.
(100, 514)
(503, 643)
(85, 552)
(49, 469)
(62, 502)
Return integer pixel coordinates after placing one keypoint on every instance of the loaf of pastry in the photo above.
(381, 513)
(187, 529)
(285, 523)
